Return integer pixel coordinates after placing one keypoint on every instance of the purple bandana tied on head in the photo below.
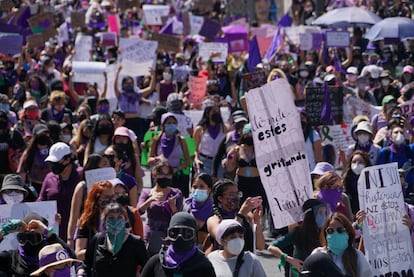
(331, 197)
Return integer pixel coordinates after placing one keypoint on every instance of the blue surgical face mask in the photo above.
(320, 219)
(5, 107)
(337, 243)
(170, 128)
(200, 195)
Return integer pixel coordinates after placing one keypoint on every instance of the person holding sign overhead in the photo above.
(129, 99)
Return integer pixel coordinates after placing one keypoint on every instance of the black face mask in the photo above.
(164, 182)
(57, 168)
(104, 130)
(216, 117)
(43, 140)
(122, 146)
(181, 245)
(31, 242)
(81, 117)
(248, 141)
(123, 200)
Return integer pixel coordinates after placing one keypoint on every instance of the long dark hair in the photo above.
(348, 173)
(218, 190)
(307, 236)
(350, 257)
(91, 163)
(205, 119)
(95, 134)
(31, 151)
(129, 154)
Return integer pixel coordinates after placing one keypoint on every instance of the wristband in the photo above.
(282, 262)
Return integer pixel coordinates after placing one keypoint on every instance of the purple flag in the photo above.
(274, 45)
(22, 19)
(167, 29)
(326, 114)
(337, 64)
(285, 21)
(254, 54)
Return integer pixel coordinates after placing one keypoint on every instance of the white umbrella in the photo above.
(347, 17)
(391, 27)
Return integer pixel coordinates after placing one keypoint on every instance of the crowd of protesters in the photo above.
(205, 209)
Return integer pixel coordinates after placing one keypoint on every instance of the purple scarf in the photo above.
(214, 130)
(331, 197)
(364, 148)
(167, 145)
(30, 260)
(56, 115)
(397, 148)
(228, 215)
(41, 157)
(235, 137)
(175, 259)
(200, 212)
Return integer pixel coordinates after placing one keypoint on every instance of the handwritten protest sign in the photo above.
(314, 101)
(153, 13)
(338, 135)
(208, 48)
(43, 24)
(167, 42)
(407, 108)
(198, 89)
(96, 175)
(77, 19)
(84, 72)
(47, 209)
(354, 106)
(10, 43)
(337, 39)
(387, 240)
(254, 80)
(196, 22)
(137, 55)
(280, 150)
(83, 46)
(293, 33)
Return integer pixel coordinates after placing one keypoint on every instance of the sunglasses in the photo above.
(32, 238)
(187, 233)
(339, 230)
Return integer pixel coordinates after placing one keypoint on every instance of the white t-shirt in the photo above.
(310, 154)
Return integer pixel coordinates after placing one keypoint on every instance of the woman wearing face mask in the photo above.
(208, 134)
(32, 166)
(406, 84)
(57, 108)
(170, 145)
(101, 136)
(357, 162)
(226, 205)
(313, 142)
(200, 204)
(160, 203)
(122, 139)
(166, 86)
(81, 138)
(36, 89)
(29, 117)
(399, 151)
(364, 137)
(181, 257)
(380, 119)
(79, 195)
(304, 238)
(12, 190)
(385, 88)
(337, 238)
(330, 190)
(100, 195)
(232, 260)
(115, 250)
(129, 99)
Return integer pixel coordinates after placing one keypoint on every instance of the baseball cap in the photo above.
(29, 103)
(57, 152)
(408, 69)
(39, 128)
(322, 167)
(387, 99)
(352, 70)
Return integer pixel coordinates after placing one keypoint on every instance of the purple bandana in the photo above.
(31, 260)
(56, 115)
(235, 137)
(214, 130)
(41, 157)
(200, 212)
(167, 145)
(331, 197)
(175, 259)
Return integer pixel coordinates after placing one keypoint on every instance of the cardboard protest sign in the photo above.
(47, 209)
(280, 150)
(293, 33)
(153, 13)
(208, 48)
(85, 71)
(254, 80)
(10, 43)
(337, 135)
(96, 175)
(128, 4)
(137, 55)
(77, 19)
(198, 89)
(337, 39)
(167, 42)
(43, 24)
(35, 41)
(388, 245)
(315, 100)
(83, 46)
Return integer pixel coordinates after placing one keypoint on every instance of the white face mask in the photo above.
(357, 168)
(363, 139)
(50, 70)
(167, 76)
(235, 246)
(398, 139)
(304, 74)
(66, 138)
(13, 197)
(385, 82)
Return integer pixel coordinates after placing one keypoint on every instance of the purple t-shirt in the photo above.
(159, 213)
(55, 189)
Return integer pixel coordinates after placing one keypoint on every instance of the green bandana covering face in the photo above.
(115, 228)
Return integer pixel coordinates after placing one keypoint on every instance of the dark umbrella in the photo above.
(391, 27)
(347, 17)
